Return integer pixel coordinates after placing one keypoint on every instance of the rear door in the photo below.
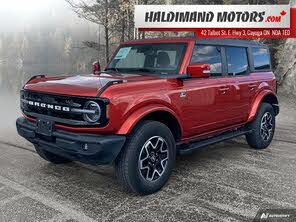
(240, 85)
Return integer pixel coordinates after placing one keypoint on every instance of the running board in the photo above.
(192, 146)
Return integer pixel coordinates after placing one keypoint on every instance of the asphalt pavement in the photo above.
(224, 182)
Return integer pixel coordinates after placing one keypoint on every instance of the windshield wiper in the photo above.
(131, 71)
(146, 70)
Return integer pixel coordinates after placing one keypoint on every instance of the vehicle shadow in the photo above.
(195, 181)
(103, 178)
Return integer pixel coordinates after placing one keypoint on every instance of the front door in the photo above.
(206, 104)
(206, 110)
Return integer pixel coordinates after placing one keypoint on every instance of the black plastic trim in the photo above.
(61, 120)
(34, 77)
(192, 146)
(100, 149)
(71, 122)
(229, 42)
(276, 108)
(175, 76)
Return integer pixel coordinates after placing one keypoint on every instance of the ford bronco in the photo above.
(156, 98)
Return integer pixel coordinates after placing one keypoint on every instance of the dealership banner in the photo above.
(219, 21)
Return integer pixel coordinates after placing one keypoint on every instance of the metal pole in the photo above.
(135, 29)
(99, 39)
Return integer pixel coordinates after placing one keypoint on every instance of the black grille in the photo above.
(59, 116)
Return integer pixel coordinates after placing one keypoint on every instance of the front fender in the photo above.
(256, 103)
(140, 113)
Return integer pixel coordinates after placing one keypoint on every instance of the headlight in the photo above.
(92, 112)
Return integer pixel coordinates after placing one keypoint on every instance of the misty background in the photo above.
(39, 37)
(42, 37)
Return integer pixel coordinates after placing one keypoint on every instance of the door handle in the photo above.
(252, 86)
(223, 90)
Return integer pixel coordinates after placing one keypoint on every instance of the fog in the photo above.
(42, 37)
(20, 15)
(8, 113)
(38, 37)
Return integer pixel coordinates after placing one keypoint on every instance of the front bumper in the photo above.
(87, 148)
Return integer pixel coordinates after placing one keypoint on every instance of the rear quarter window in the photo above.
(261, 58)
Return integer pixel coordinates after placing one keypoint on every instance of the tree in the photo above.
(68, 47)
(116, 17)
(101, 12)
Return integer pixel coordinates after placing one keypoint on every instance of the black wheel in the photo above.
(262, 127)
(50, 157)
(146, 162)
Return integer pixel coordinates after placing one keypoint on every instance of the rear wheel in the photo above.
(50, 157)
(263, 127)
(147, 160)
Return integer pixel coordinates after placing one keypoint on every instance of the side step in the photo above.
(192, 146)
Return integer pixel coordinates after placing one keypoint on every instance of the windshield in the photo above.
(148, 59)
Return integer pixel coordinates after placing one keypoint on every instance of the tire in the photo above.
(50, 157)
(262, 126)
(139, 172)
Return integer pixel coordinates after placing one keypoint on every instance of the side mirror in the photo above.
(96, 67)
(199, 70)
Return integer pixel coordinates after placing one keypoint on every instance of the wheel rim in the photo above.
(266, 126)
(153, 158)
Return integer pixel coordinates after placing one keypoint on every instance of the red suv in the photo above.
(156, 98)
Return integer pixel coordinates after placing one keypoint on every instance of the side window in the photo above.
(261, 58)
(237, 60)
(210, 55)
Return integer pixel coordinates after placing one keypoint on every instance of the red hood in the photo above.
(80, 85)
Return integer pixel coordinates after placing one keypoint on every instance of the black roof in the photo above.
(229, 42)
(208, 41)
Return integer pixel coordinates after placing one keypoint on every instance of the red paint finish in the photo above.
(80, 85)
(201, 106)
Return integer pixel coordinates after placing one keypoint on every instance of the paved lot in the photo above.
(226, 182)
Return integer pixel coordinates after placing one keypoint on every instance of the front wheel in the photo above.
(147, 160)
(262, 127)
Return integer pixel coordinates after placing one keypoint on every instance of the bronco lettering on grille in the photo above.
(49, 106)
